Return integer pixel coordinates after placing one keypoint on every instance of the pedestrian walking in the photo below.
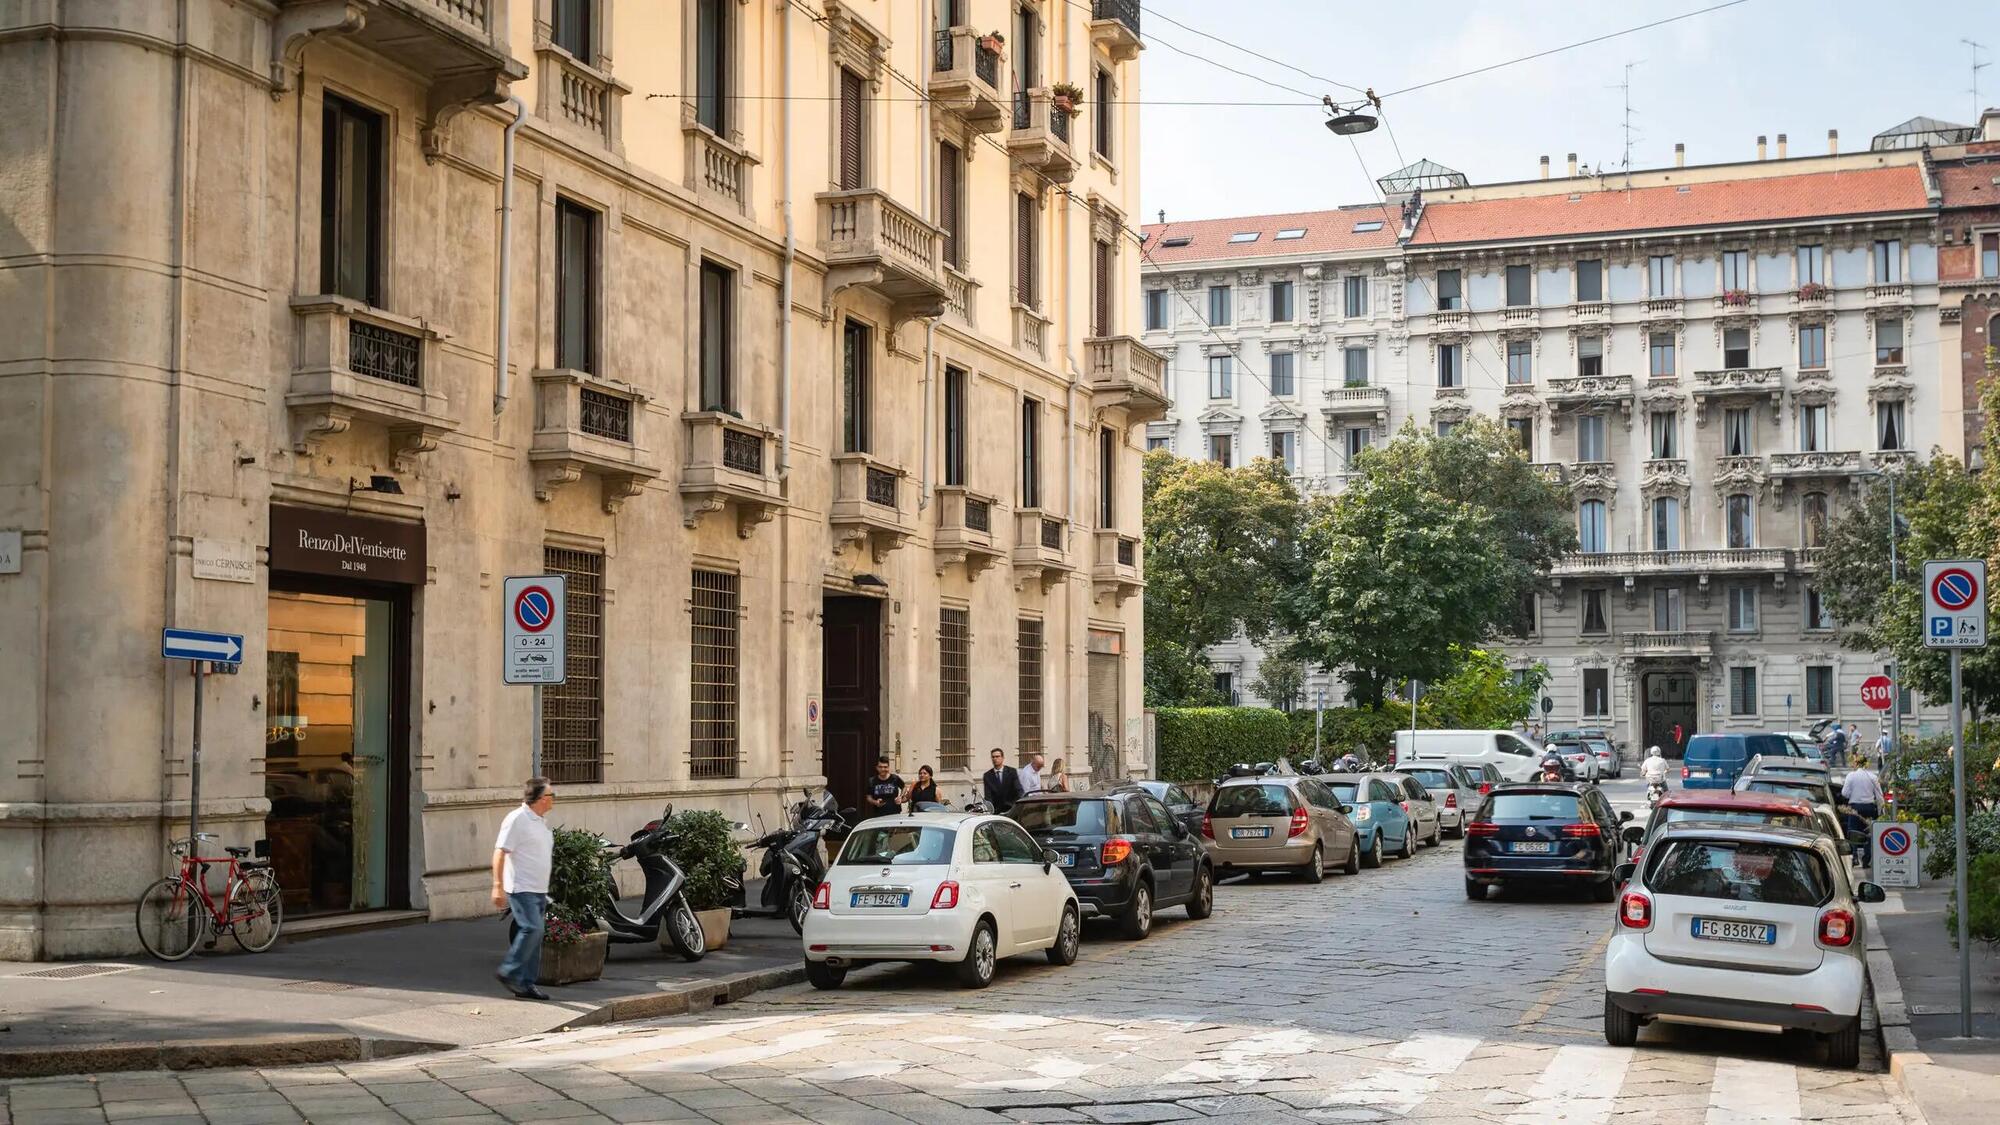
(1001, 784)
(522, 853)
(884, 795)
(1058, 781)
(1031, 774)
(1836, 746)
(1862, 789)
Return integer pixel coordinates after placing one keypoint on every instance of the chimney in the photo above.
(1680, 155)
(1572, 166)
(1781, 146)
(1833, 142)
(1760, 147)
(1545, 167)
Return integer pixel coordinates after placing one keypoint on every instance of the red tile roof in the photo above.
(1327, 232)
(1808, 195)
(1970, 185)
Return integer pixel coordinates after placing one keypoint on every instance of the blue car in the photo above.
(1714, 761)
(1384, 811)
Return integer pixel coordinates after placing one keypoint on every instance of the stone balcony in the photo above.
(1590, 312)
(730, 462)
(1031, 333)
(356, 363)
(965, 79)
(579, 99)
(1041, 548)
(870, 504)
(1816, 463)
(1520, 316)
(1114, 26)
(1738, 384)
(1127, 374)
(874, 243)
(1451, 320)
(1661, 307)
(964, 530)
(1367, 402)
(1589, 390)
(1116, 572)
(588, 424)
(1721, 560)
(1696, 643)
(1897, 293)
(1040, 138)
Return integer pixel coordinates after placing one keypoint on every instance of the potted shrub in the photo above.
(1067, 96)
(573, 948)
(1812, 291)
(1735, 298)
(991, 42)
(704, 847)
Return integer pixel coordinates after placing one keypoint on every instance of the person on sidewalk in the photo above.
(885, 791)
(1836, 747)
(1862, 792)
(1002, 783)
(521, 856)
(1058, 779)
(1031, 774)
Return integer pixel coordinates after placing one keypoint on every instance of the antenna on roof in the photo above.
(1626, 86)
(1977, 66)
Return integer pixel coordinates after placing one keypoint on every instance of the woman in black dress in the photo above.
(925, 790)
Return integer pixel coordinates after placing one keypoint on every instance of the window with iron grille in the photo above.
(384, 353)
(573, 711)
(743, 452)
(351, 201)
(712, 674)
(1028, 642)
(954, 687)
(605, 416)
(576, 286)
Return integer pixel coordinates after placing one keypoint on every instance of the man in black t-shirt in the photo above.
(885, 791)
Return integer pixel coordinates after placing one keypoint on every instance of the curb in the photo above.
(1899, 1044)
(708, 994)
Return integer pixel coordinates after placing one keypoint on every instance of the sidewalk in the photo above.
(346, 996)
(1914, 969)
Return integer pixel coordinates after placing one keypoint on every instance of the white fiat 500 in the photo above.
(1742, 926)
(966, 888)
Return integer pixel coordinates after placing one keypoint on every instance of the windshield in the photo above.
(1742, 816)
(1433, 779)
(1252, 800)
(1743, 872)
(906, 845)
(1066, 818)
(1532, 806)
(1783, 788)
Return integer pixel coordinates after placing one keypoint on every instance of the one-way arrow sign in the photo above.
(197, 644)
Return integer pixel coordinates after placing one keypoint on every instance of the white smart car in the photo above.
(967, 888)
(1745, 925)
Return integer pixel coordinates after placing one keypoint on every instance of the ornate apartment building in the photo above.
(796, 335)
(1713, 360)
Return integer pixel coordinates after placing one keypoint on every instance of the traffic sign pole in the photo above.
(1958, 840)
(194, 761)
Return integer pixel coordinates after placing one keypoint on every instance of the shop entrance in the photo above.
(1670, 711)
(851, 691)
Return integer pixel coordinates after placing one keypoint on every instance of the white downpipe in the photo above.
(924, 454)
(502, 376)
(924, 190)
(791, 243)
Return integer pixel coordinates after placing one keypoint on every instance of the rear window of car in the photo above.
(1066, 818)
(1344, 790)
(1715, 748)
(905, 845)
(1782, 788)
(1741, 816)
(1533, 806)
(1434, 779)
(1741, 872)
(1251, 800)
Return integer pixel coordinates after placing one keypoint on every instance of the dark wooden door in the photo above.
(1670, 712)
(851, 687)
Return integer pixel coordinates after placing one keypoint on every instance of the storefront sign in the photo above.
(225, 560)
(344, 545)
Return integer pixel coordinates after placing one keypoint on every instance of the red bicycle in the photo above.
(178, 912)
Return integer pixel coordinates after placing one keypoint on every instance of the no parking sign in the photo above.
(1895, 854)
(534, 638)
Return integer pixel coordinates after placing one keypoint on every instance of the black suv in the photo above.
(1124, 853)
(1544, 832)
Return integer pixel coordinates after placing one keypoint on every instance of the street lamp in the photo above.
(1895, 685)
(1348, 121)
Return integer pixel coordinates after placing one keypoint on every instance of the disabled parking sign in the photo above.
(1895, 852)
(1955, 604)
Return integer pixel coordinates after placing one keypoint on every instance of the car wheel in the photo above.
(1458, 831)
(1315, 868)
(1843, 1047)
(1202, 903)
(823, 976)
(1138, 919)
(1437, 832)
(1475, 890)
(1373, 856)
(1069, 934)
(976, 971)
(1353, 864)
(1621, 1028)
(1409, 843)
(1605, 891)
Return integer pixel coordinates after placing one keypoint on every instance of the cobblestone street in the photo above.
(1376, 997)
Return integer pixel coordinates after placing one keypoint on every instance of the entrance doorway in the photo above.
(336, 745)
(851, 694)
(1106, 714)
(1670, 710)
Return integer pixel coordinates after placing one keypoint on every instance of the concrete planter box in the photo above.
(569, 964)
(714, 927)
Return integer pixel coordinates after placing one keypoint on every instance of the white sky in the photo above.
(1714, 81)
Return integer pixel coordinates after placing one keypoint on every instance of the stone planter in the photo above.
(714, 927)
(568, 964)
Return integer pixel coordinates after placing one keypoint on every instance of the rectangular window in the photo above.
(1743, 691)
(1107, 477)
(1736, 271)
(1989, 255)
(955, 438)
(1590, 529)
(1735, 347)
(1812, 345)
(1743, 609)
(1225, 683)
(853, 131)
(1221, 376)
(1590, 279)
(1589, 356)
(1220, 451)
(1450, 370)
(1736, 425)
(1153, 443)
(1815, 514)
(711, 65)
(1661, 351)
(954, 688)
(951, 202)
(1888, 261)
(1103, 96)
(1889, 426)
(573, 711)
(1812, 428)
(1102, 300)
(1740, 520)
(569, 28)
(1519, 286)
(1448, 291)
(1596, 622)
(1818, 616)
(1664, 428)
(1596, 692)
(1888, 341)
(1283, 382)
(1358, 438)
(1819, 689)
(1812, 265)
(718, 382)
(1660, 275)
(1523, 430)
(1281, 302)
(1218, 305)
(1156, 310)
(1354, 296)
(576, 286)
(1031, 453)
(1028, 647)
(857, 363)
(1666, 523)
(1027, 251)
(1445, 428)
(1285, 449)
(1590, 442)
(1669, 610)
(1520, 361)
(351, 201)
(1354, 364)
(713, 678)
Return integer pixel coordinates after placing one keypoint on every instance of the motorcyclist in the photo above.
(1348, 763)
(1654, 770)
(1552, 766)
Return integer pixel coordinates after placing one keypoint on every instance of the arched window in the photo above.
(1816, 514)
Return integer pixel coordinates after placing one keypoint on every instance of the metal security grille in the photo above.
(712, 682)
(882, 488)
(743, 452)
(1028, 640)
(942, 52)
(978, 515)
(954, 687)
(1127, 556)
(605, 416)
(573, 711)
(384, 353)
(1052, 534)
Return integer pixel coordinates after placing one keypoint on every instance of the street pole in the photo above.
(1958, 840)
(1319, 720)
(194, 761)
(1413, 715)
(1895, 688)
(535, 755)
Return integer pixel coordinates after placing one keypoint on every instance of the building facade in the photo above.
(1968, 279)
(798, 338)
(1713, 360)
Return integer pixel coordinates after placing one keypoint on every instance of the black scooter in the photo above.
(664, 910)
(793, 863)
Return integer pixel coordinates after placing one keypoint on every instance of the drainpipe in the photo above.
(924, 454)
(924, 189)
(791, 246)
(501, 376)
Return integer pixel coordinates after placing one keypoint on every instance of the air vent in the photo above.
(1183, 240)
(1289, 233)
(1370, 225)
(1575, 198)
(1682, 190)
(76, 972)
(1244, 236)
(320, 986)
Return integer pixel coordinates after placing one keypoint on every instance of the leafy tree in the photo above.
(1177, 676)
(1481, 693)
(1280, 681)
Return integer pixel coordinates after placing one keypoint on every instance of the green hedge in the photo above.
(1368, 735)
(1201, 743)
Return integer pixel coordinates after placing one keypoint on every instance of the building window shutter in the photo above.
(852, 108)
(948, 217)
(1101, 305)
(1024, 250)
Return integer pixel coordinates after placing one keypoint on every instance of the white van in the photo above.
(1515, 757)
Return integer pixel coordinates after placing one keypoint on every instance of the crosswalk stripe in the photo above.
(1578, 1087)
(1416, 1067)
(1751, 1092)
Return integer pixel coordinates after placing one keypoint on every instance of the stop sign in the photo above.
(1875, 692)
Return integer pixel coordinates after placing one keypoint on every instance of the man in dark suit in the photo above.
(1002, 783)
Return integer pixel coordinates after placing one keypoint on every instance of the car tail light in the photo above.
(1836, 929)
(1635, 911)
(946, 896)
(1684, 773)
(1482, 828)
(1298, 824)
(1485, 787)
(1405, 804)
(1207, 827)
(1451, 800)
(1586, 829)
(823, 897)
(1115, 851)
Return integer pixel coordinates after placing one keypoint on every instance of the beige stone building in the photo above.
(797, 336)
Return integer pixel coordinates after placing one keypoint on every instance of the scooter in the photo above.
(793, 862)
(664, 910)
(1654, 792)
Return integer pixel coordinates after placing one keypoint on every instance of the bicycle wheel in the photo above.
(172, 919)
(256, 911)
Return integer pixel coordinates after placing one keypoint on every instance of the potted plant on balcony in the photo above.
(704, 847)
(1068, 97)
(1736, 298)
(992, 42)
(1812, 291)
(573, 948)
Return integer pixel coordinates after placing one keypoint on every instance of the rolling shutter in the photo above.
(851, 122)
(948, 218)
(1101, 292)
(1024, 251)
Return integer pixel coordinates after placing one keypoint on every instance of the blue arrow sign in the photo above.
(198, 644)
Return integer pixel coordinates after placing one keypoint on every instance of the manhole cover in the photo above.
(74, 972)
(321, 986)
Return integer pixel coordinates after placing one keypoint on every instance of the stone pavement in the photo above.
(1383, 996)
(1955, 1081)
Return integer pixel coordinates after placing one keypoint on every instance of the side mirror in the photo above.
(1634, 833)
(1346, 808)
(1624, 816)
(1869, 892)
(1623, 872)
(1049, 859)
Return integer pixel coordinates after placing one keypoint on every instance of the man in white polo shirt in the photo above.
(521, 857)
